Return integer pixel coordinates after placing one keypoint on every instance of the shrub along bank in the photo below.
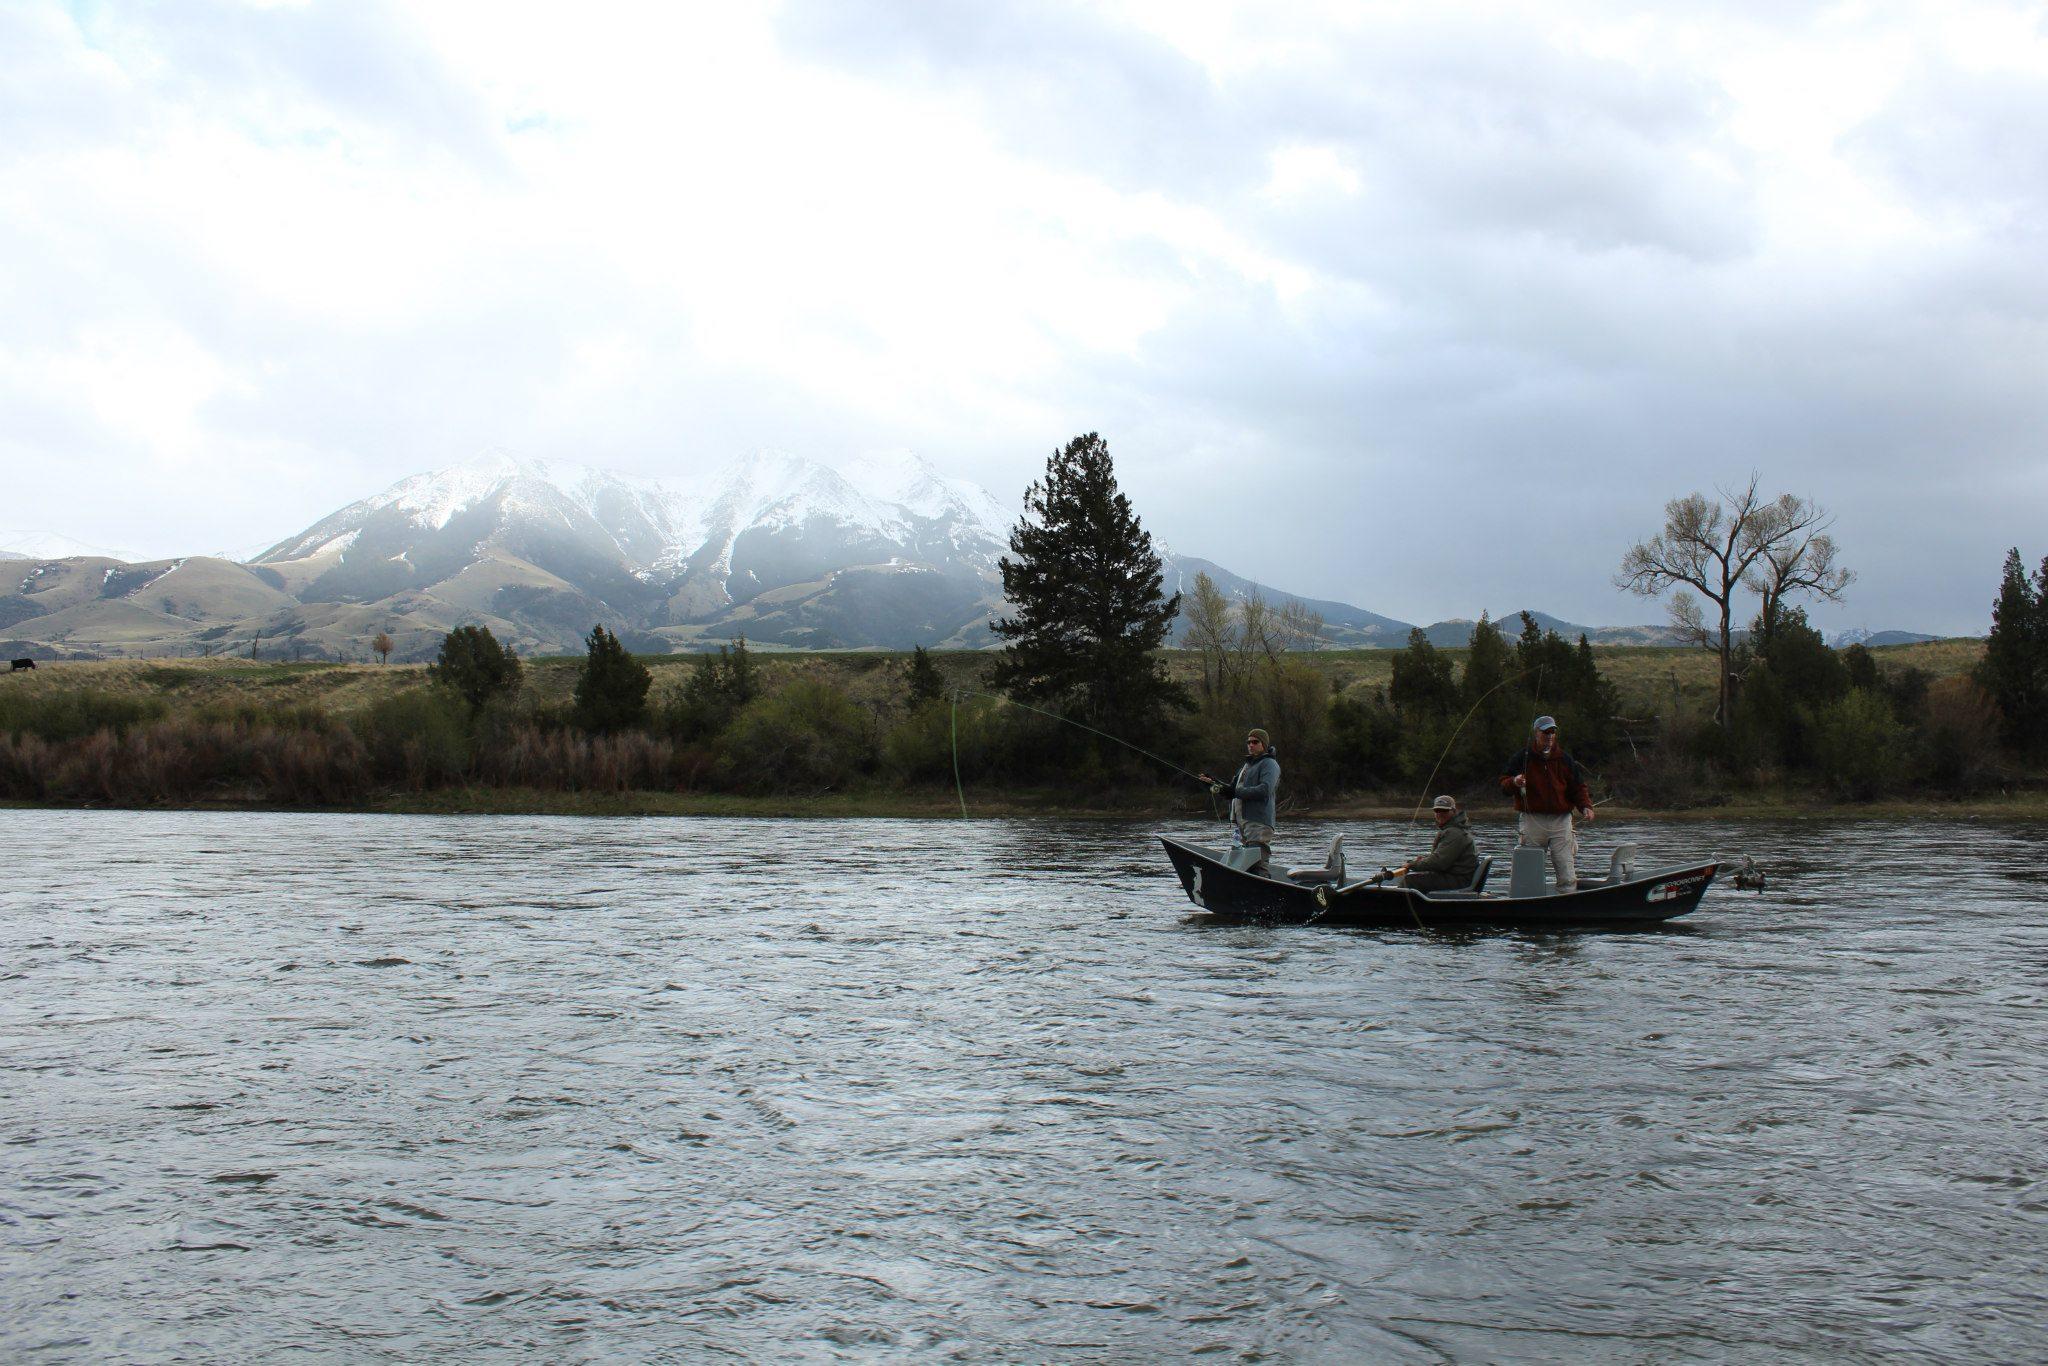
(1848, 725)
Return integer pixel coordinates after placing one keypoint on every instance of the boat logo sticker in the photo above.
(1671, 891)
(1195, 891)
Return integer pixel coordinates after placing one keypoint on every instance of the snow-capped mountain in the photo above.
(883, 553)
(31, 544)
(1863, 635)
(790, 551)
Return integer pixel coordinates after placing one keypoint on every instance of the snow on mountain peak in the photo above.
(435, 498)
(912, 483)
(31, 544)
(663, 523)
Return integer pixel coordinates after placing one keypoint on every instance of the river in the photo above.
(399, 1088)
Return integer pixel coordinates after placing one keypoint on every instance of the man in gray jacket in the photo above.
(1452, 858)
(1252, 800)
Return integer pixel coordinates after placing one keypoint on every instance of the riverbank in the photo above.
(930, 805)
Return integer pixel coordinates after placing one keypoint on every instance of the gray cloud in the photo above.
(1055, 80)
(1542, 291)
(1545, 310)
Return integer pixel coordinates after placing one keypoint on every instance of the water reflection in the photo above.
(398, 1087)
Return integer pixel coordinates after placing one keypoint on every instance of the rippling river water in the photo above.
(406, 1087)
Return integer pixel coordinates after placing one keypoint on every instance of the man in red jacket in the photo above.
(1548, 786)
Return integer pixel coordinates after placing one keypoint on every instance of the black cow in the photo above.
(21, 664)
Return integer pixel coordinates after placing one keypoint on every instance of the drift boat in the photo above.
(1326, 896)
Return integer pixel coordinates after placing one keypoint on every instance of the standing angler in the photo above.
(1252, 794)
(1548, 786)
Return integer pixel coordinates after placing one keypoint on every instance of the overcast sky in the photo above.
(1423, 307)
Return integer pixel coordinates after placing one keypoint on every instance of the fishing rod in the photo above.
(960, 789)
(1081, 725)
(1415, 816)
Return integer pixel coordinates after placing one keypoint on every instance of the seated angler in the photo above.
(1452, 859)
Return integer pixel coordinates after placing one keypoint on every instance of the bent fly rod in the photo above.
(958, 693)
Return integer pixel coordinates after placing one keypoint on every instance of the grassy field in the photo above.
(1648, 678)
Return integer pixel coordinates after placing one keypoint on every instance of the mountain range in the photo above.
(883, 553)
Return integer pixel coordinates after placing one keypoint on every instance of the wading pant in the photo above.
(1538, 831)
(1436, 882)
(1251, 834)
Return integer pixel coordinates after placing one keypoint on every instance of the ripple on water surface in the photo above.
(399, 1086)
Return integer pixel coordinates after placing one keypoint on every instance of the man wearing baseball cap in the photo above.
(1452, 858)
(1548, 787)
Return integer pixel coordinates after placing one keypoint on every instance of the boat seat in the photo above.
(1622, 866)
(1479, 874)
(1331, 871)
(1525, 873)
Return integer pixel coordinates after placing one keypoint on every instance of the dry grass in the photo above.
(1646, 676)
(187, 686)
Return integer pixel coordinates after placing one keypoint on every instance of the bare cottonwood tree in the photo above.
(1298, 627)
(1798, 557)
(1715, 548)
(1254, 628)
(382, 645)
(1210, 633)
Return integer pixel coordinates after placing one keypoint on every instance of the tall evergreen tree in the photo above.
(1546, 664)
(1862, 668)
(1496, 708)
(611, 690)
(1085, 583)
(474, 666)
(2015, 667)
(1596, 702)
(1423, 687)
(926, 684)
(718, 686)
(1791, 680)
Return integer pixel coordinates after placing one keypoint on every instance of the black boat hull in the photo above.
(1230, 893)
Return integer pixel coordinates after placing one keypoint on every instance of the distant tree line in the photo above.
(1084, 672)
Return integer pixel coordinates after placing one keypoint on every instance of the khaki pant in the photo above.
(1537, 831)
